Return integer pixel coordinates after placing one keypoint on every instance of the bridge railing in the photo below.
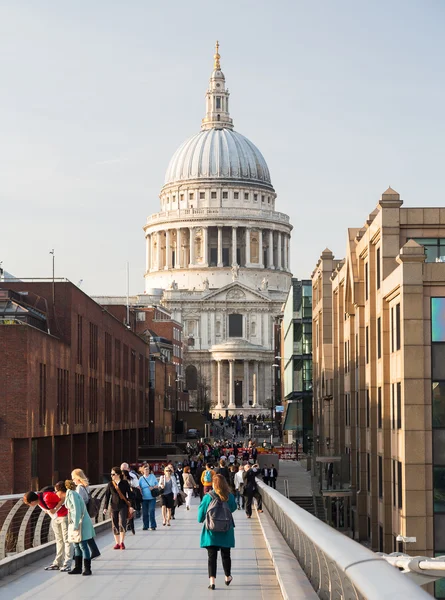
(337, 567)
(23, 527)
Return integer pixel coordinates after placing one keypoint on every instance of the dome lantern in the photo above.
(217, 99)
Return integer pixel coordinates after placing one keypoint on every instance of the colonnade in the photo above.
(227, 380)
(217, 246)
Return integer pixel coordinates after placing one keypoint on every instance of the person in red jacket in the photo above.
(50, 503)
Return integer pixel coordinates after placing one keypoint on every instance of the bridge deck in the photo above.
(166, 563)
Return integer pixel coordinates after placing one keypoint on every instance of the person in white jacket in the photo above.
(239, 487)
(170, 490)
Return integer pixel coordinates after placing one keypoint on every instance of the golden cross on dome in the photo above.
(216, 64)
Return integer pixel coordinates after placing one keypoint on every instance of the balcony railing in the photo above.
(23, 527)
(223, 212)
(337, 567)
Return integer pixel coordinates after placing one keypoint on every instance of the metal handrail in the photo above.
(23, 527)
(337, 567)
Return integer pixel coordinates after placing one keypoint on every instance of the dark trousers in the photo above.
(212, 552)
(266, 480)
(273, 482)
(249, 498)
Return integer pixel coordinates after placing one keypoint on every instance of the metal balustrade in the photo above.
(23, 527)
(337, 567)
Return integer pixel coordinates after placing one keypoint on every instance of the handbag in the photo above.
(131, 511)
(75, 535)
(155, 492)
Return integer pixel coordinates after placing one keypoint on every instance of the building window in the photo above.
(367, 344)
(79, 339)
(218, 103)
(395, 328)
(108, 354)
(246, 196)
(42, 395)
(394, 490)
(79, 399)
(379, 408)
(263, 198)
(92, 405)
(62, 396)
(379, 337)
(93, 346)
(213, 195)
(108, 403)
(117, 358)
(380, 477)
(366, 281)
(378, 275)
(225, 195)
(235, 325)
(117, 403)
(133, 365)
(181, 197)
(202, 195)
(399, 485)
(191, 196)
(268, 199)
(125, 362)
(236, 195)
(399, 405)
(434, 248)
(368, 409)
(255, 197)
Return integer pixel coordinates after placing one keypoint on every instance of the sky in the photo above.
(342, 98)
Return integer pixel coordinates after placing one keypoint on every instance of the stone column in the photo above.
(270, 252)
(192, 246)
(231, 384)
(260, 248)
(234, 244)
(220, 249)
(255, 384)
(219, 394)
(247, 246)
(178, 249)
(205, 242)
(148, 256)
(167, 250)
(246, 384)
(158, 253)
(279, 255)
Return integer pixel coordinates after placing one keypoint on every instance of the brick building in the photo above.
(74, 386)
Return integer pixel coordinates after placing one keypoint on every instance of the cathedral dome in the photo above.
(218, 154)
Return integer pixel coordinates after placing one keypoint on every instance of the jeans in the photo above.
(148, 513)
(226, 560)
(81, 549)
(239, 498)
(60, 528)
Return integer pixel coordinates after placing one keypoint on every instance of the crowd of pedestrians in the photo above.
(222, 474)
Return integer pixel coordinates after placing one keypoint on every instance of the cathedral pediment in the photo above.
(236, 292)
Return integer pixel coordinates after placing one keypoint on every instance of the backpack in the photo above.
(208, 476)
(218, 517)
(93, 506)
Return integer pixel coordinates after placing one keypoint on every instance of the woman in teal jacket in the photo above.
(79, 517)
(217, 540)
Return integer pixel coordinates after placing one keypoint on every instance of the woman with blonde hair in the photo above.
(83, 489)
(170, 490)
(218, 529)
(80, 521)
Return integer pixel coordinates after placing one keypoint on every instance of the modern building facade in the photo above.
(379, 348)
(74, 386)
(218, 256)
(296, 364)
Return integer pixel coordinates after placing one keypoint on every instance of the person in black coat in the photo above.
(273, 474)
(119, 506)
(251, 489)
(223, 470)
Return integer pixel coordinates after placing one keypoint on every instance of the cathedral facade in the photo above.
(218, 254)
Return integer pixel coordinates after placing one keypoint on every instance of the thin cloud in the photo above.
(111, 161)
